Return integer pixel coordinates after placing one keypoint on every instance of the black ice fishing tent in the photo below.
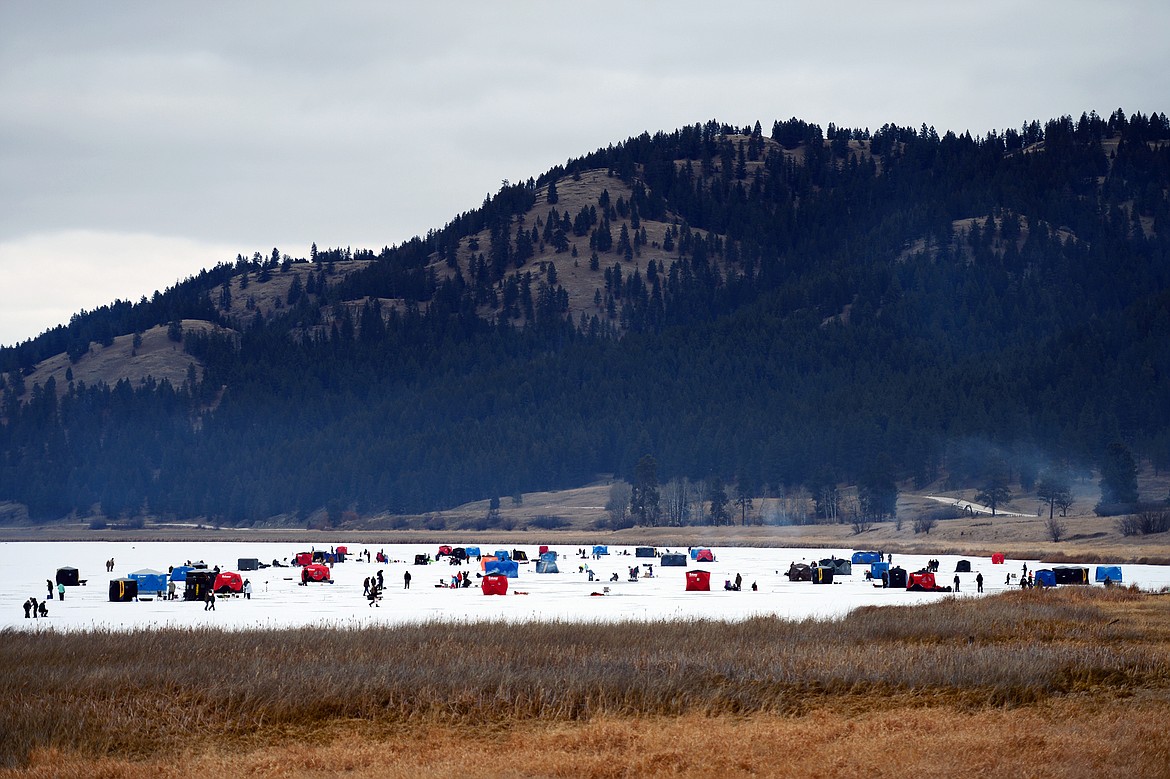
(799, 572)
(963, 566)
(68, 576)
(677, 560)
(822, 574)
(123, 590)
(248, 564)
(897, 576)
(644, 551)
(199, 583)
(1065, 575)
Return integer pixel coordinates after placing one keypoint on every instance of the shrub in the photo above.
(548, 522)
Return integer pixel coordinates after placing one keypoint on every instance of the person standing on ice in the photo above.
(60, 591)
(738, 582)
(49, 584)
(247, 589)
(979, 582)
(956, 582)
(27, 608)
(406, 580)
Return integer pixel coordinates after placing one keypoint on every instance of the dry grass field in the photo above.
(1074, 681)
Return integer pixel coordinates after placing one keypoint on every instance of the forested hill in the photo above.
(772, 310)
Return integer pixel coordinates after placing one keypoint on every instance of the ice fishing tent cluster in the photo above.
(698, 581)
(1066, 575)
(150, 580)
(123, 590)
(644, 551)
(840, 566)
(505, 567)
(494, 584)
(227, 582)
(198, 582)
(866, 558)
(799, 572)
(963, 566)
(68, 576)
(1112, 573)
(673, 560)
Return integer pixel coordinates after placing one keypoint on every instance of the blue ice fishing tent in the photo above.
(600, 550)
(502, 554)
(150, 580)
(1111, 572)
(548, 557)
(1045, 578)
(509, 568)
(866, 558)
(179, 573)
(877, 569)
(547, 566)
(694, 553)
(473, 551)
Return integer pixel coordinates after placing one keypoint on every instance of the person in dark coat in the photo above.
(956, 582)
(738, 582)
(33, 601)
(381, 581)
(27, 608)
(44, 610)
(210, 600)
(52, 589)
(406, 580)
(979, 582)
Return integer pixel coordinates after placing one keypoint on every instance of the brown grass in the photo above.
(955, 677)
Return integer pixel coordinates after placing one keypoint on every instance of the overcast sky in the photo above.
(143, 141)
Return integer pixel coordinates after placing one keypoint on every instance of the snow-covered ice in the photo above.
(278, 600)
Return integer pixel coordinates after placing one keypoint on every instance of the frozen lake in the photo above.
(278, 600)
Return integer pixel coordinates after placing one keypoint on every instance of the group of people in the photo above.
(459, 580)
(34, 609)
(59, 589)
(372, 586)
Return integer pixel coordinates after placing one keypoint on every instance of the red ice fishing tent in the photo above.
(543, 549)
(228, 581)
(303, 558)
(704, 556)
(343, 550)
(495, 584)
(444, 550)
(998, 558)
(315, 572)
(123, 590)
(698, 581)
(921, 581)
